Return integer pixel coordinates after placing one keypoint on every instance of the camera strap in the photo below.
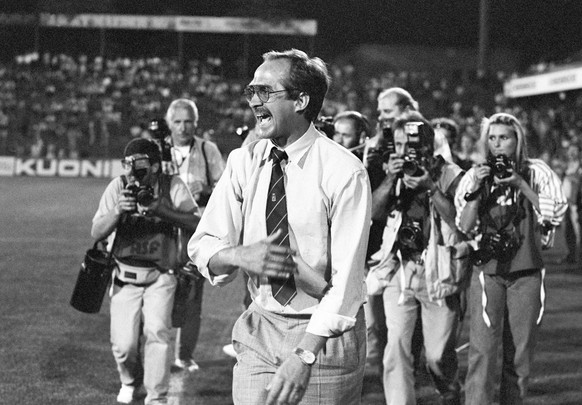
(208, 180)
(488, 222)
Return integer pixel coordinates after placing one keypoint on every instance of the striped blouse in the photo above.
(543, 181)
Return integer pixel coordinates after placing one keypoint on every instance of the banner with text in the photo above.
(563, 80)
(220, 25)
(13, 166)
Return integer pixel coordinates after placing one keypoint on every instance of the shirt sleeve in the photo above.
(215, 162)
(108, 201)
(181, 197)
(548, 186)
(349, 230)
(109, 198)
(467, 184)
(220, 225)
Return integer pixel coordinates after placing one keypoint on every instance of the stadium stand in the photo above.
(57, 105)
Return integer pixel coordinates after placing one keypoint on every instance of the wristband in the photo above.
(473, 195)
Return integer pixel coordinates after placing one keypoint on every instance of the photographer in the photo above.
(392, 103)
(416, 200)
(351, 130)
(510, 206)
(199, 164)
(143, 213)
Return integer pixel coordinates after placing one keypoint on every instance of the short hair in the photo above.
(181, 103)
(448, 124)
(145, 146)
(362, 123)
(414, 116)
(403, 98)
(509, 120)
(306, 75)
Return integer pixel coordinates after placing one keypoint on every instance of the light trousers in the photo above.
(153, 304)
(263, 340)
(513, 306)
(439, 328)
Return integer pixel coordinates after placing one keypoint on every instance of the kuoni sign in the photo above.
(11, 166)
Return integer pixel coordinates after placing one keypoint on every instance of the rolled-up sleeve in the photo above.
(466, 185)
(548, 186)
(349, 230)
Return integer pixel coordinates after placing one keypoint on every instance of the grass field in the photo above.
(52, 354)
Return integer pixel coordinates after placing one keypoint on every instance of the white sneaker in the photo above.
(125, 395)
(229, 350)
(188, 364)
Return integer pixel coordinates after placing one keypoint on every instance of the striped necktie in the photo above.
(283, 289)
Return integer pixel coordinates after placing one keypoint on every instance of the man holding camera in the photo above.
(416, 200)
(142, 213)
(199, 164)
(392, 103)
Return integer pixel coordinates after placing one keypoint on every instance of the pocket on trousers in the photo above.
(343, 352)
(454, 265)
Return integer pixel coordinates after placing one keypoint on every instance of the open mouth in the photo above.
(263, 117)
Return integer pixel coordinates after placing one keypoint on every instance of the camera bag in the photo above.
(449, 257)
(93, 279)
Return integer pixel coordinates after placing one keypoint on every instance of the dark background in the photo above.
(540, 30)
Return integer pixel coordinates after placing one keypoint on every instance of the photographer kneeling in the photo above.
(142, 213)
(416, 198)
(510, 206)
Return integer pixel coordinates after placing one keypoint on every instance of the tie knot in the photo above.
(277, 155)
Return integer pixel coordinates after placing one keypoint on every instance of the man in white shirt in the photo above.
(311, 344)
(199, 164)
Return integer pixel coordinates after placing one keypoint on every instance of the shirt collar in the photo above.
(298, 148)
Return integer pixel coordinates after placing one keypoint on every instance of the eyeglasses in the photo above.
(136, 162)
(263, 92)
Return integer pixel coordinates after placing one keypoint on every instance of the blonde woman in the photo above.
(509, 206)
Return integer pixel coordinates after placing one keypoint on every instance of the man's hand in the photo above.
(126, 202)
(423, 182)
(290, 382)
(394, 166)
(265, 258)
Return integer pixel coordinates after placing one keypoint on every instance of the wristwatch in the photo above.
(305, 356)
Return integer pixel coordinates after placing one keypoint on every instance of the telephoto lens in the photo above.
(184, 278)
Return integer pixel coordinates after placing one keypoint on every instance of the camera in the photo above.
(384, 149)
(144, 195)
(501, 246)
(161, 134)
(410, 234)
(414, 159)
(500, 166)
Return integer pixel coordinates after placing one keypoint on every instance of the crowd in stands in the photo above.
(58, 106)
